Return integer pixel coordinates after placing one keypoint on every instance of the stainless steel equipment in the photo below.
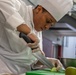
(68, 62)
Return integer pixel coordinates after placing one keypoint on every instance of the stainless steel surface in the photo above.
(43, 59)
(68, 62)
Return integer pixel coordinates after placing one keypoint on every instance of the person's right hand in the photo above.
(35, 43)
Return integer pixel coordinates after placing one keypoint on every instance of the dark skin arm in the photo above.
(23, 28)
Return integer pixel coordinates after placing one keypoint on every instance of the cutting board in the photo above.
(44, 72)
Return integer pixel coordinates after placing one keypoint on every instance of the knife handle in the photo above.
(25, 37)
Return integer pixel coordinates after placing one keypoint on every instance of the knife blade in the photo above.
(37, 54)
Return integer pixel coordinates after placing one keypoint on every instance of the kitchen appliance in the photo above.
(68, 62)
(37, 54)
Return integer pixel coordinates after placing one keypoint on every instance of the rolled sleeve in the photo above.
(15, 20)
(10, 9)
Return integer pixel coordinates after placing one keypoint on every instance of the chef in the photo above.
(15, 16)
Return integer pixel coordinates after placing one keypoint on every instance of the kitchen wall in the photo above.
(68, 43)
(48, 47)
(52, 44)
(69, 48)
(53, 37)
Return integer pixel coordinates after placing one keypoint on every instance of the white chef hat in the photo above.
(57, 8)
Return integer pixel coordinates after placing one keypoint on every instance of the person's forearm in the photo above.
(23, 28)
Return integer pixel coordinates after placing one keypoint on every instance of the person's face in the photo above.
(42, 19)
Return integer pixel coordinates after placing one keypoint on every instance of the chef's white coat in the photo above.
(15, 56)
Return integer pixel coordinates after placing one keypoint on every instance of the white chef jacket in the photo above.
(14, 53)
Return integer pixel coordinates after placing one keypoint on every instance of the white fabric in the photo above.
(14, 52)
(57, 8)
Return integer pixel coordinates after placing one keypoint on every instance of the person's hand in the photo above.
(56, 63)
(38, 49)
(35, 43)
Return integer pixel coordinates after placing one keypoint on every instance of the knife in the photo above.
(37, 54)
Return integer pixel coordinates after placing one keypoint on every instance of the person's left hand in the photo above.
(56, 63)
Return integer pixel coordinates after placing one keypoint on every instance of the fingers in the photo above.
(33, 37)
(59, 65)
(56, 63)
(38, 49)
(35, 50)
(35, 40)
(33, 45)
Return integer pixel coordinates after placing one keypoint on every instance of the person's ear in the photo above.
(39, 9)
